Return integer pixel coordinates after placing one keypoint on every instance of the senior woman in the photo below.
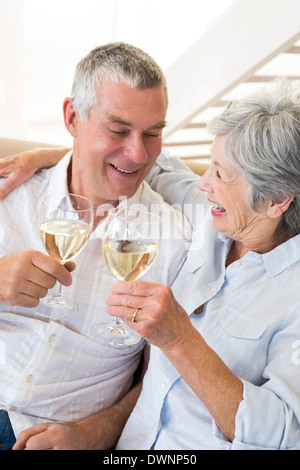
(224, 368)
(224, 362)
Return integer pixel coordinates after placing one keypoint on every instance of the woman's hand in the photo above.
(160, 319)
(19, 168)
(165, 324)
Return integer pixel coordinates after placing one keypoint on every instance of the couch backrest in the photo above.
(10, 147)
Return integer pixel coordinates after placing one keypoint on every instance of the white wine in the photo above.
(129, 260)
(64, 238)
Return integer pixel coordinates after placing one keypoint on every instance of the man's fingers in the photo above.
(26, 277)
(70, 266)
(24, 436)
(52, 267)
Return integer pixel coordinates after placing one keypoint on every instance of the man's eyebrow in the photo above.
(159, 125)
(118, 120)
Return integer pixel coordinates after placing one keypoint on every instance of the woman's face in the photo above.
(228, 191)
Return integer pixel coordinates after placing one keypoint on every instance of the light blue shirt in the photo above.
(252, 321)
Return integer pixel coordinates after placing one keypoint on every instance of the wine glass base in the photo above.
(114, 334)
(57, 308)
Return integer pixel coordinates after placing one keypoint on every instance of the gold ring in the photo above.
(134, 315)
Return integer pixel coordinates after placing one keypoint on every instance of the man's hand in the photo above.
(26, 276)
(50, 436)
(100, 431)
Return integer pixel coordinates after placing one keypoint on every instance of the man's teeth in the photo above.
(122, 171)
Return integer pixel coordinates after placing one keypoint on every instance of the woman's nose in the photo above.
(204, 183)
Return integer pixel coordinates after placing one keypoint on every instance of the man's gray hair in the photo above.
(264, 144)
(118, 62)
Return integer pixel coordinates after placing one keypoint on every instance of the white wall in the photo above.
(11, 62)
(41, 41)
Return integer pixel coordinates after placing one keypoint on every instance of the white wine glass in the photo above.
(130, 246)
(66, 222)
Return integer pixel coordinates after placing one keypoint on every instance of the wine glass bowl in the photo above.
(130, 247)
(66, 222)
(129, 260)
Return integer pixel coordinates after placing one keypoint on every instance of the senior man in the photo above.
(55, 370)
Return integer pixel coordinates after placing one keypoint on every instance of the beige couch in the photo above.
(10, 147)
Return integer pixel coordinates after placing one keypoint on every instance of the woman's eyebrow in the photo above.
(216, 163)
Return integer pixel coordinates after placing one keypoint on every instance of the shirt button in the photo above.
(238, 263)
(164, 386)
(12, 408)
(214, 289)
(51, 338)
(29, 378)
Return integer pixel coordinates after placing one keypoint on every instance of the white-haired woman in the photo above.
(224, 372)
(224, 365)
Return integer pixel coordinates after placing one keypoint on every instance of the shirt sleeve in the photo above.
(269, 415)
(177, 184)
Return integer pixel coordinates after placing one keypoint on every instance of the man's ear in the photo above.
(276, 209)
(70, 116)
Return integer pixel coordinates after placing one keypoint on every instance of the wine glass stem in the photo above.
(57, 292)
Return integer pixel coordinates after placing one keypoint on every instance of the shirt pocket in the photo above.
(241, 336)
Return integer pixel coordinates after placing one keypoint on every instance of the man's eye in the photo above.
(118, 132)
(148, 134)
(218, 174)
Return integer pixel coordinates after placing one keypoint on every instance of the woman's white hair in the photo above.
(264, 143)
(118, 62)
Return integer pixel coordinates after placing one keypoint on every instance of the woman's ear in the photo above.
(70, 116)
(276, 209)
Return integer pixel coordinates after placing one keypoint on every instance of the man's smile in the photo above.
(122, 170)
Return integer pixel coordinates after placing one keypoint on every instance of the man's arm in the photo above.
(98, 432)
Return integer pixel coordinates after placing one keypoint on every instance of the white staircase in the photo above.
(246, 47)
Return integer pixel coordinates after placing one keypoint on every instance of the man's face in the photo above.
(116, 147)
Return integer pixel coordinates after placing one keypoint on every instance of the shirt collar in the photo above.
(59, 176)
(282, 257)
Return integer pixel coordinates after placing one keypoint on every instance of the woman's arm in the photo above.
(165, 324)
(21, 167)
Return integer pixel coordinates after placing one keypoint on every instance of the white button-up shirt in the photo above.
(53, 371)
(252, 321)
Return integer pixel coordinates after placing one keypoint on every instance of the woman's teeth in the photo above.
(218, 208)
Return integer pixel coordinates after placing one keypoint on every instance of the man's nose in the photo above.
(135, 150)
